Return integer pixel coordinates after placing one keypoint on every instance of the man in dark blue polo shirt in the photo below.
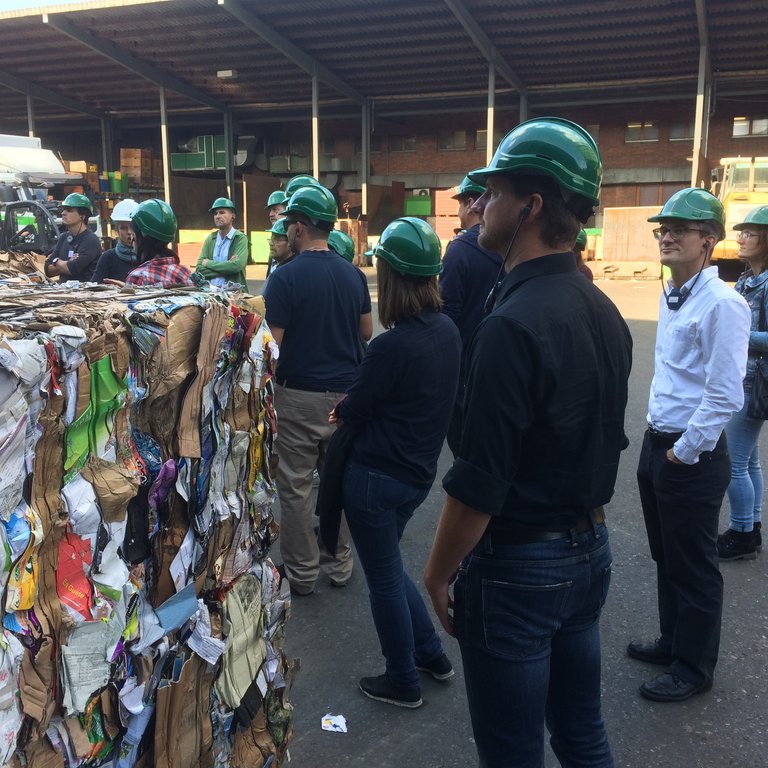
(523, 523)
(469, 273)
(318, 306)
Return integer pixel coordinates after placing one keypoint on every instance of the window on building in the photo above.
(681, 130)
(299, 148)
(481, 139)
(750, 126)
(402, 143)
(646, 131)
(452, 140)
(278, 148)
(328, 146)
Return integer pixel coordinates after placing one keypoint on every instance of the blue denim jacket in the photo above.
(754, 288)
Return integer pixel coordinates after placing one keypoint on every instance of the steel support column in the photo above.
(106, 143)
(701, 117)
(365, 160)
(229, 151)
(30, 115)
(315, 128)
(491, 113)
(164, 140)
(523, 107)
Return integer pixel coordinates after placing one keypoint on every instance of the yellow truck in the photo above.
(741, 184)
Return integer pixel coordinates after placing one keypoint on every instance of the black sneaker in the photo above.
(440, 668)
(736, 545)
(757, 537)
(380, 689)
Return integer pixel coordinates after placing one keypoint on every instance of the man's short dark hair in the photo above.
(318, 229)
(558, 223)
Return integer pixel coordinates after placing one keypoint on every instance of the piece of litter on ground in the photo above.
(337, 723)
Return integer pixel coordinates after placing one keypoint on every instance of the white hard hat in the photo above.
(124, 210)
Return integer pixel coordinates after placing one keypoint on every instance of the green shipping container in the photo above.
(418, 206)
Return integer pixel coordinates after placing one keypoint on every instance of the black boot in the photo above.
(757, 537)
(736, 545)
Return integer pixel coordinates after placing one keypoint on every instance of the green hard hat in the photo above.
(76, 200)
(757, 217)
(581, 240)
(558, 149)
(297, 182)
(316, 203)
(155, 218)
(469, 188)
(411, 247)
(278, 228)
(278, 197)
(693, 204)
(342, 243)
(221, 202)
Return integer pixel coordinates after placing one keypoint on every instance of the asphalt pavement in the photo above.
(331, 632)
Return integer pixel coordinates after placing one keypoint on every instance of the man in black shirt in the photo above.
(523, 522)
(78, 249)
(469, 273)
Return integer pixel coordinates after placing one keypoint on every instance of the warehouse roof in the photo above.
(109, 57)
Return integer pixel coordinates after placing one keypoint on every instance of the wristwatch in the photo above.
(54, 260)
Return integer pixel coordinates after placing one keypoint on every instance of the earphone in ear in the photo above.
(526, 210)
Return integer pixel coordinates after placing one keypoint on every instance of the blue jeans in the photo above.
(377, 508)
(527, 621)
(745, 492)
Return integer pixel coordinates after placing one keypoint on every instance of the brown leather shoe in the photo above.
(652, 652)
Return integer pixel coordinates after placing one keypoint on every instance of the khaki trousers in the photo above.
(303, 434)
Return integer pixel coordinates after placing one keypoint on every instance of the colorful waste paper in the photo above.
(142, 618)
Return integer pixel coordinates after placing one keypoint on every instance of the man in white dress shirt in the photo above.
(684, 469)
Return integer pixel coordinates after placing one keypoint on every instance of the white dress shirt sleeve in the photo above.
(724, 339)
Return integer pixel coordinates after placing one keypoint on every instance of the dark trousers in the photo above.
(681, 506)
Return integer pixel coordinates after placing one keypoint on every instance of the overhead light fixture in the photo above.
(226, 74)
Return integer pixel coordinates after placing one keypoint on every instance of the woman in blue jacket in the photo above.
(743, 540)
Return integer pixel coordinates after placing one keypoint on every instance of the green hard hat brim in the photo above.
(278, 197)
(223, 203)
(77, 200)
(535, 167)
(405, 267)
(757, 217)
(278, 228)
(471, 191)
(468, 188)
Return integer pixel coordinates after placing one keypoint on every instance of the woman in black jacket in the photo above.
(397, 412)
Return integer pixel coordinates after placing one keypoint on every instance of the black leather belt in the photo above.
(524, 534)
(663, 439)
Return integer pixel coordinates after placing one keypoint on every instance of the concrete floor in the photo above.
(333, 635)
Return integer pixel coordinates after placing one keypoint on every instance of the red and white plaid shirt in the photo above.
(164, 270)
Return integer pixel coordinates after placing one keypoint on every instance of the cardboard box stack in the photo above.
(142, 619)
(141, 167)
(89, 171)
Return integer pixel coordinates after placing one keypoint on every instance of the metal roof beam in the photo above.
(142, 68)
(484, 44)
(249, 19)
(52, 97)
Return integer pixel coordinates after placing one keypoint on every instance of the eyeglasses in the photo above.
(746, 235)
(677, 233)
